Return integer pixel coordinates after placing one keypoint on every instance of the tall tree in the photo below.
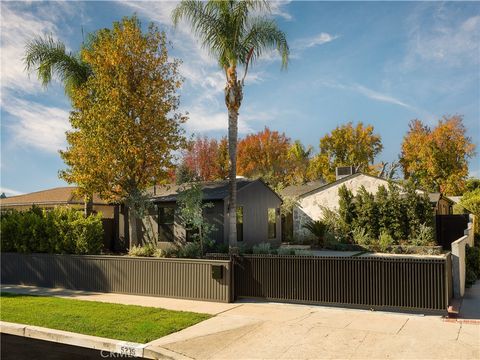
(125, 121)
(205, 158)
(48, 58)
(437, 159)
(265, 154)
(349, 145)
(235, 32)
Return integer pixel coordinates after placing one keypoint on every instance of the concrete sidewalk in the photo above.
(251, 330)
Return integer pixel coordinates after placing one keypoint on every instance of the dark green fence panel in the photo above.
(178, 278)
(389, 282)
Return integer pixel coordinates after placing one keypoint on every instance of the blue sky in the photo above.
(382, 63)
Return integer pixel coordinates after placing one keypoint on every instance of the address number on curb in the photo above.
(129, 349)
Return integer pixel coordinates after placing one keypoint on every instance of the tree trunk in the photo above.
(233, 100)
(132, 228)
(232, 152)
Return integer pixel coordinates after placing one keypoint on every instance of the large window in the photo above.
(272, 223)
(166, 216)
(240, 223)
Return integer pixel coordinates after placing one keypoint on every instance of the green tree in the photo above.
(191, 208)
(126, 124)
(346, 205)
(235, 33)
(366, 210)
(48, 57)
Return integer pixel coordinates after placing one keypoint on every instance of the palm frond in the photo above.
(48, 57)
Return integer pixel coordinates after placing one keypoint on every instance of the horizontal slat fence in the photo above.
(178, 278)
(388, 282)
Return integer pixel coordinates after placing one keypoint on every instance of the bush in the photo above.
(191, 250)
(317, 228)
(472, 264)
(424, 236)
(62, 230)
(263, 248)
(144, 251)
(285, 251)
(361, 237)
(385, 240)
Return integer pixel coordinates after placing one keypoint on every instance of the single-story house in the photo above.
(66, 196)
(258, 214)
(313, 195)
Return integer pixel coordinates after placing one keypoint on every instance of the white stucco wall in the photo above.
(309, 206)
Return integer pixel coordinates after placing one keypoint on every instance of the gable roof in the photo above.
(55, 196)
(299, 190)
(212, 190)
(436, 197)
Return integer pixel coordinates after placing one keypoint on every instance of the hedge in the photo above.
(62, 230)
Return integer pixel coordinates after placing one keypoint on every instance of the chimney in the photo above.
(344, 171)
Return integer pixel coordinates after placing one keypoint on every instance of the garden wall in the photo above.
(179, 278)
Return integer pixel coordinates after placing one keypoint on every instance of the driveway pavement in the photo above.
(254, 330)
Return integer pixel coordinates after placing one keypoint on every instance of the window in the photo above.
(240, 223)
(272, 223)
(166, 216)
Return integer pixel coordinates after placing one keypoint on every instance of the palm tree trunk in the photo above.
(232, 152)
(233, 100)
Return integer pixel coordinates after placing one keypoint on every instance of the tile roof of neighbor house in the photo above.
(212, 190)
(298, 190)
(60, 195)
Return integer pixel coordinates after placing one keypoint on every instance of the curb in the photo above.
(124, 348)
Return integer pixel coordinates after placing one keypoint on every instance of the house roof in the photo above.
(435, 198)
(299, 190)
(212, 190)
(60, 195)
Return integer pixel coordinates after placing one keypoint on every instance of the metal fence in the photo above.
(179, 278)
(408, 283)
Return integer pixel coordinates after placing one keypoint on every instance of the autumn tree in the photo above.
(348, 145)
(437, 159)
(125, 119)
(264, 154)
(207, 159)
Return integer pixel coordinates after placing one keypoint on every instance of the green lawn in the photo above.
(123, 322)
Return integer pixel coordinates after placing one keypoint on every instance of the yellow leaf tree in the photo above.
(437, 159)
(347, 145)
(125, 120)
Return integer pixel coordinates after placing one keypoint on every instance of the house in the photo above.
(258, 214)
(313, 196)
(66, 196)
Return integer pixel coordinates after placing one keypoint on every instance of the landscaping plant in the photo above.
(318, 229)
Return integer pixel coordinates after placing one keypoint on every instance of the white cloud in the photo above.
(9, 192)
(37, 126)
(278, 9)
(439, 37)
(320, 39)
(17, 28)
(202, 119)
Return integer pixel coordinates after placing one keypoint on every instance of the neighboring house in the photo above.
(312, 197)
(258, 214)
(66, 196)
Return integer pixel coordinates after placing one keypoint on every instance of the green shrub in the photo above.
(472, 264)
(263, 248)
(191, 250)
(424, 236)
(144, 251)
(303, 252)
(285, 251)
(385, 240)
(61, 230)
(361, 237)
(317, 228)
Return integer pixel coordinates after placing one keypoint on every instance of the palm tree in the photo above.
(48, 57)
(235, 32)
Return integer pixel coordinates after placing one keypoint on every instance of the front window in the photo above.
(166, 217)
(272, 223)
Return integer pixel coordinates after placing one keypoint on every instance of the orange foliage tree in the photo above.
(437, 159)
(264, 154)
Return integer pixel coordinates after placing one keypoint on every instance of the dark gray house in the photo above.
(258, 214)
